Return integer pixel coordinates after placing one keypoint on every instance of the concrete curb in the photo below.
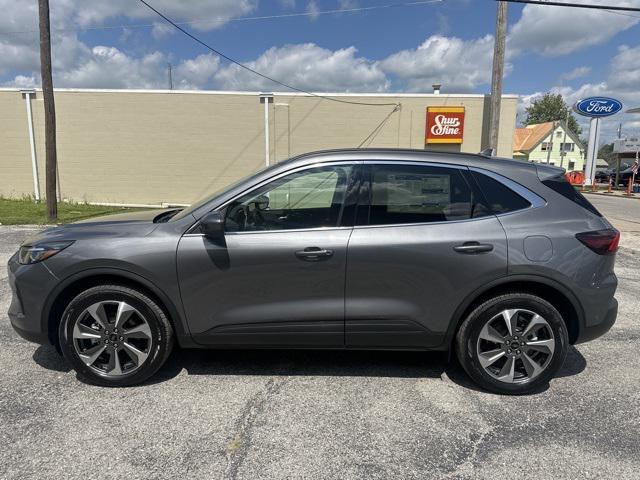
(634, 196)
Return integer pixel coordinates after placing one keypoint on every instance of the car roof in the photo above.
(412, 155)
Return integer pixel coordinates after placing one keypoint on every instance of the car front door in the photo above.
(422, 244)
(278, 278)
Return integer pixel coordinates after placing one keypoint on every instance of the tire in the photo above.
(131, 354)
(489, 362)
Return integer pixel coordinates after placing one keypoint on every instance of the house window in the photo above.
(567, 147)
(572, 166)
(547, 146)
(558, 134)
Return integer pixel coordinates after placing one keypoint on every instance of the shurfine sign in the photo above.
(444, 125)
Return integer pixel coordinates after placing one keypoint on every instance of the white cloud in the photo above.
(197, 72)
(313, 10)
(210, 14)
(459, 65)
(309, 67)
(21, 81)
(576, 73)
(108, 67)
(557, 31)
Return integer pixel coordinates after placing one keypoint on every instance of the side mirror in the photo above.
(212, 225)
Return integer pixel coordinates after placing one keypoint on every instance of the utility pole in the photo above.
(49, 110)
(563, 153)
(618, 158)
(497, 75)
(169, 71)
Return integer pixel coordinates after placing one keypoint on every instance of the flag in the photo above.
(634, 167)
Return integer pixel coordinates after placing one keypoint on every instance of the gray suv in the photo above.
(502, 262)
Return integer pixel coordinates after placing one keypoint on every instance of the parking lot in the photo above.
(289, 414)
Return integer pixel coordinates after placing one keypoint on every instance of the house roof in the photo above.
(528, 138)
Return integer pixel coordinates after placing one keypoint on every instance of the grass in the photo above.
(29, 212)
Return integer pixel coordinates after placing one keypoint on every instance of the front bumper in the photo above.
(595, 330)
(30, 285)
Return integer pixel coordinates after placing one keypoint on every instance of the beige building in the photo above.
(154, 147)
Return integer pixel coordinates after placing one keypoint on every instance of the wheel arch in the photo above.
(77, 283)
(546, 288)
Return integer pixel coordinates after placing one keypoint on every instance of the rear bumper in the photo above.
(595, 330)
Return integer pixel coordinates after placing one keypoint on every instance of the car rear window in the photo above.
(560, 185)
(501, 198)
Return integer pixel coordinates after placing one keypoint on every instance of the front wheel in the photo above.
(513, 343)
(115, 336)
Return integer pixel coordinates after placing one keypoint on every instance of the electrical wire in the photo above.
(249, 69)
(240, 19)
(608, 8)
(377, 130)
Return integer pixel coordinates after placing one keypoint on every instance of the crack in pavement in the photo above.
(239, 446)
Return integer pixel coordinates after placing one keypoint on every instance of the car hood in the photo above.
(138, 223)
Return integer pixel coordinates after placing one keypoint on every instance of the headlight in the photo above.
(37, 253)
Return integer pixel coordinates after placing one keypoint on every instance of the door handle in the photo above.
(473, 247)
(314, 254)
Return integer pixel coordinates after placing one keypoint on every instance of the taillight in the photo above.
(603, 242)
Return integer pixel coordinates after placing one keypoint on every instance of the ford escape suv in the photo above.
(501, 262)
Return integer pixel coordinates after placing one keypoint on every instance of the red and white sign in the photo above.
(444, 125)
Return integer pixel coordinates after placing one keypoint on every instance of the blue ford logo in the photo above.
(598, 107)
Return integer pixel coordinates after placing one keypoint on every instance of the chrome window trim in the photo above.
(534, 199)
(426, 224)
(317, 229)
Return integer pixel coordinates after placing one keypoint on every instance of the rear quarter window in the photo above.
(499, 197)
(560, 185)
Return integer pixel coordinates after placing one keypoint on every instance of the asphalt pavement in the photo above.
(288, 414)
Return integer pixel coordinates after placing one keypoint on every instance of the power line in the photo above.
(378, 128)
(623, 13)
(576, 5)
(249, 69)
(241, 19)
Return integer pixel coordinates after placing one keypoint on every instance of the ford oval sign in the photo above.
(598, 107)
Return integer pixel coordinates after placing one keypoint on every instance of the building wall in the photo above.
(150, 147)
(577, 156)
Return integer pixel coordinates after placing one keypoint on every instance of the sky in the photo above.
(370, 46)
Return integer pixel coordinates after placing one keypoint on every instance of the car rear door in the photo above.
(422, 243)
(278, 279)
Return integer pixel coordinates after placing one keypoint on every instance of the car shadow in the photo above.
(574, 364)
(48, 357)
(347, 363)
(338, 363)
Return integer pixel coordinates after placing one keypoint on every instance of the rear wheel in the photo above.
(115, 335)
(513, 344)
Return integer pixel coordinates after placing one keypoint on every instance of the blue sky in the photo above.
(576, 52)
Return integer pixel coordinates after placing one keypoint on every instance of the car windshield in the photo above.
(203, 201)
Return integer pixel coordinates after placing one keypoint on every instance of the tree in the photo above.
(607, 154)
(551, 107)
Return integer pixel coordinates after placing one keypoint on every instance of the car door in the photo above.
(279, 276)
(421, 244)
